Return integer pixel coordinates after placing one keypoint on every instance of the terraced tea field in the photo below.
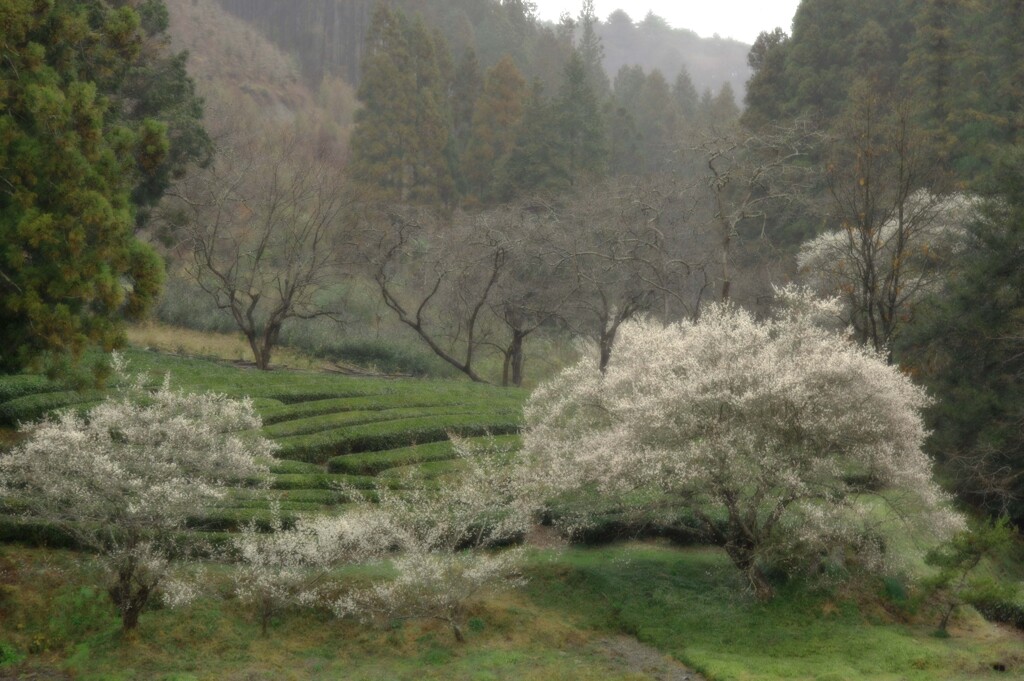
(331, 430)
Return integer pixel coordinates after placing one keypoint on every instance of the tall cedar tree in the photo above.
(401, 135)
(70, 266)
(765, 99)
(657, 121)
(495, 127)
(961, 62)
(156, 86)
(537, 162)
(591, 50)
(625, 134)
(580, 124)
(968, 350)
(466, 88)
(685, 93)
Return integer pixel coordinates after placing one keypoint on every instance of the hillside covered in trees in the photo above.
(536, 287)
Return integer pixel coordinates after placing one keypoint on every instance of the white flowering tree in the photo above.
(123, 478)
(881, 262)
(288, 568)
(450, 542)
(779, 437)
(444, 546)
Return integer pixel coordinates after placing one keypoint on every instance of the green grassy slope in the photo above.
(315, 417)
(686, 604)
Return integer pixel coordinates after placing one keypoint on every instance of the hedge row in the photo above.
(20, 385)
(298, 498)
(234, 519)
(316, 424)
(32, 407)
(39, 533)
(387, 400)
(297, 481)
(428, 470)
(1004, 612)
(371, 437)
(288, 466)
(376, 462)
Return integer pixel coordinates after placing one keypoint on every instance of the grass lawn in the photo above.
(690, 603)
(683, 603)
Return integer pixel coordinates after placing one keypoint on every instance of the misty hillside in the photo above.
(326, 38)
(653, 44)
(242, 74)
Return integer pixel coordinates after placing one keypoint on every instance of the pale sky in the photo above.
(739, 19)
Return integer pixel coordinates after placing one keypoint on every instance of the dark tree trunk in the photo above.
(129, 595)
(516, 357)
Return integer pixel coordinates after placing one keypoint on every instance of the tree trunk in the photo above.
(742, 555)
(517, 357)
(128, 596)
(607, 340)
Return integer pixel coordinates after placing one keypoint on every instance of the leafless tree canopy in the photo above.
(264, 231)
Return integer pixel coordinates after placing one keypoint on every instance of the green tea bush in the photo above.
(316, 424)
(20, 385)
(377, 462)
(320, 447)
(34, 406)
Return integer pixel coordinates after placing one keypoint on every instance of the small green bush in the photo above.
(320, 447)
(31, 407)
(20, 385)
(376, 462)
(9, 655)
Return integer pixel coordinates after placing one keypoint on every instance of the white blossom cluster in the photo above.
(123, 478)
(138, 461)
(288, 568)
(442, 543)
(773, 434)
(905, 258)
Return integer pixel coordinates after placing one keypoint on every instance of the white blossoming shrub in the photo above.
(444, 545)
(450, 542)
(432, 585)
(289, 568)
(123, 478)
(778, 436)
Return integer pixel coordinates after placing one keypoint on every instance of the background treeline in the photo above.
(328, 37)
(959, 65)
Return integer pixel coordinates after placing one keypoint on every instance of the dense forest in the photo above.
(767, 299)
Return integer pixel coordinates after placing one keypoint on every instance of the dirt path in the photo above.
(633, 656)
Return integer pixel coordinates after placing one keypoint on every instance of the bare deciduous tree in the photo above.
(262, 224)
(891, 232)
(438, 277)
(623, 249)
(745, 176)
